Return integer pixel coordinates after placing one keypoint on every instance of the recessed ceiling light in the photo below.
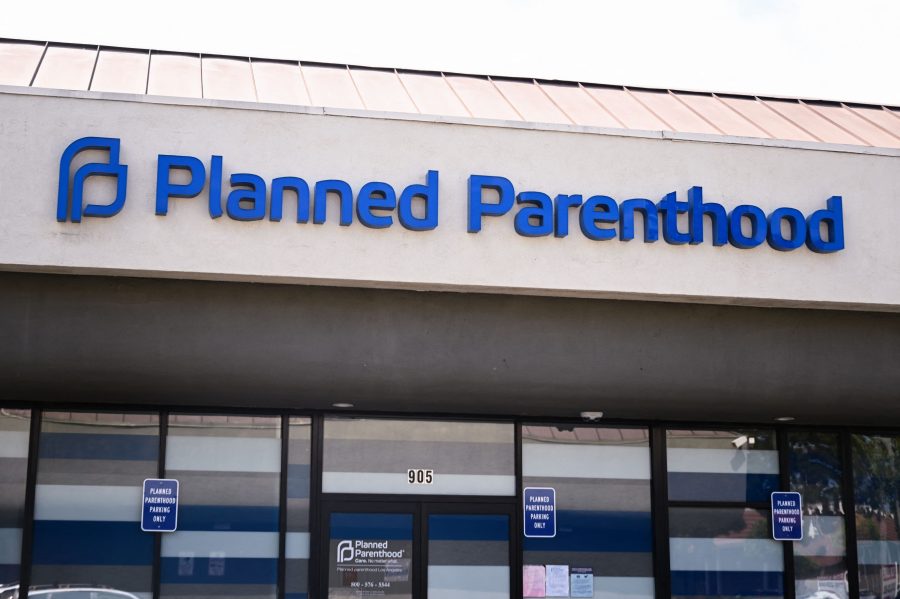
(591, 416)
(342, 405)
(785, 419)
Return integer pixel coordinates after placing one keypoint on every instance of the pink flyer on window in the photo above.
(533, 581)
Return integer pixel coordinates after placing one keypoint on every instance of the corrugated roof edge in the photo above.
(430, 72)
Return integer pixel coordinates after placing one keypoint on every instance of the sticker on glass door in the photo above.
(370, 555)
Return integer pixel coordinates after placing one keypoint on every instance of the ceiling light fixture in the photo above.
(591, 416)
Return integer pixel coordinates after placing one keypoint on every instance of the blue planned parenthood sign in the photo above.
(159, 512)
(787, 517)
(540, 512)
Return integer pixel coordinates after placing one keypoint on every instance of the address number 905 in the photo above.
(419, 476)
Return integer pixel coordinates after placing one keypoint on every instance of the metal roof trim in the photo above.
(123, 49)
(463, 74)
(73, 46)
(513, 79)
(225, 57)
(175, 53)
(354, 67)
(327, 65)
(558, 82)
(293, 63)
(605, 86)
(417, 72)
(687, 92)
(823, 103)
(478, 97)
(455, 74)
(450, 120)
(651, 90)
(13, 40)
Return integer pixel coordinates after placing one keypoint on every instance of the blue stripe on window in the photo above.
(84, 446)
(706, 486)
(205, 570)
(9, 573)
(627, 532)
(298, 481)
(59, 542)
(468, 528)
(248, 518)
(722, 583)
(393, 527)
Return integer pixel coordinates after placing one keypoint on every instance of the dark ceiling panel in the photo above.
(107, 339)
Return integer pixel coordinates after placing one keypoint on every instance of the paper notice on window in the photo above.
(582, 584)
(533, 581)
(557, 581)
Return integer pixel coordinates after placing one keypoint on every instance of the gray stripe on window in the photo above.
(597, 494)
(124, 578)
(468, 553)
(448, 457)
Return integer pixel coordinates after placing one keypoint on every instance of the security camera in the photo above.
(740, 441)
(591, 416)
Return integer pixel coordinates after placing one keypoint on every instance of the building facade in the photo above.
(410, 334)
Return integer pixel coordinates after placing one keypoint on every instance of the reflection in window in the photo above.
(87, 509)
(876, 482)
(602, 481)
(738, 465)
(820, 558)
(716, 550)
(297, 538)
(724, 552)
(14, 428)
(374, 456)
(228, 468)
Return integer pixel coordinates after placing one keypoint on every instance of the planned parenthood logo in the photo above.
(345, 552)
(70, 204)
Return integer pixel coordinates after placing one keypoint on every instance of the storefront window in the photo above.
(417, 457)
(601, 482)
(820, 564)
(714, 549)
(468, 556)
(876, 478)
(723, 552)
(228, 468)
(297, 537)
(87, 508)
(14, 431)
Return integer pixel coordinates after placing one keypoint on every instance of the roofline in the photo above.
(151, 51)
(451, 120)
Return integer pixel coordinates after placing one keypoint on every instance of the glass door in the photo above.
(372, 550)
(416, 550)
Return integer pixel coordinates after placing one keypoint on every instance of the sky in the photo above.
(814, 49)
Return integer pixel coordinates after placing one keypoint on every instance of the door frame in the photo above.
(420, 506)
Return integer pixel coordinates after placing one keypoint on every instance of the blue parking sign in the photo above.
(787, 517)
(159, 511)
(540, 512)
